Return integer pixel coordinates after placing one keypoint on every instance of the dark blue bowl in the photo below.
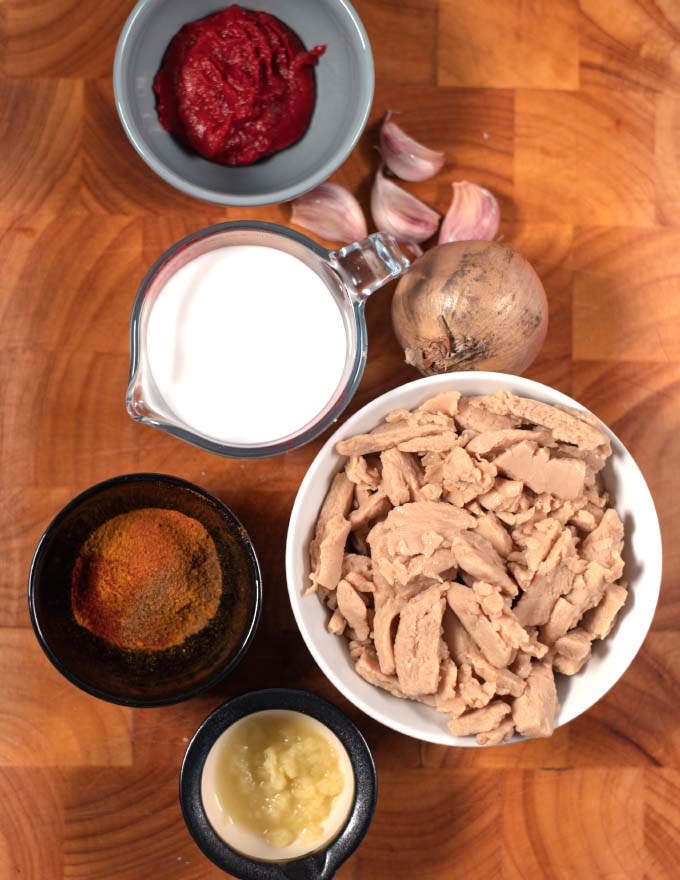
(143, 678)
(320, 865)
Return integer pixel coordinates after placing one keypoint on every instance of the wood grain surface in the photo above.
(570, 113)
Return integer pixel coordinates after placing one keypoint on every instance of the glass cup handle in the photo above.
(368, 264)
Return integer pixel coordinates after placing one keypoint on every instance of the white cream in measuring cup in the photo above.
(246, 344)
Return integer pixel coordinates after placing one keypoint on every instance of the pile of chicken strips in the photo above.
(468, 552)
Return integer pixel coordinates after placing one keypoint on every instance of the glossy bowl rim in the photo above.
(297, 700)
(282, 194)
(244, 539)
(245, 451)
(438, 383)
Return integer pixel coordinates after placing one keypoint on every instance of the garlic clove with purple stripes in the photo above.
(398, 212)
(331, 212)
(405, 157)
(473, 215)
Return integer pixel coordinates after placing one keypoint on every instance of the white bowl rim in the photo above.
(436, 384)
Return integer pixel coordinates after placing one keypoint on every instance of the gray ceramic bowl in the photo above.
(344, 77)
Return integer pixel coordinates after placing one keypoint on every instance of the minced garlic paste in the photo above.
(279, 776)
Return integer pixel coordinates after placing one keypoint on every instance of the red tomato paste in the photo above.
(237, 86)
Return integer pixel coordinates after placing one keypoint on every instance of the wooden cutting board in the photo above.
(570, 113)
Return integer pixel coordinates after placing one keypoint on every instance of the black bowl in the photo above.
(143, 678)
(320, 865)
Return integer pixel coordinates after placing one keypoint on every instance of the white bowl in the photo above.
(610, 659)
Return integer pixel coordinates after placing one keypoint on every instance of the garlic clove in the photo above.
(473, 215)
(404, 156)
(331, 212)
(396, 211)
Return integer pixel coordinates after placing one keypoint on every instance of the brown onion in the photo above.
(470, 305)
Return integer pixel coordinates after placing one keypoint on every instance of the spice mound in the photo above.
(147, 579)
(237, 86)
(469, 553)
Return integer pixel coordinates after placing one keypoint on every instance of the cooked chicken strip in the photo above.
(599, 622)
(353, 609)
(331, 552)
(497, 441)
(534, 712)
(417, 643)
(401, 476)
(498, 735)
(395, 433)
(359, 472)
(338, 502)
(571, 427)
(491, 528)
(480, 720)
(572, 651)
(375, 507)
(563, 477)
(446, 403)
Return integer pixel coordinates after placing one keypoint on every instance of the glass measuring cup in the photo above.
(350, 274)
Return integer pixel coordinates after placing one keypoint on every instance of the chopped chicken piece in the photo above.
(375, 506)
(360, 582)
(521, 665)
(446, 403)
(463, 650)
(534, 712)
(338, 502)
(475, 555)
(571, 427)
(401, 476)
(480, 720)
(599, 622)
(586, 592)
(359, 472)
(562, 477)
(408, 528)
(464, 478)
(331, 552)
(536, 541)
(491, 528)
(497, 441)
(353, 609)
(499, 735)
(447, 698)
(497, 642)
(416, 417)
(417, 643)
(337, 623)
(368, 668)
(433, 463)
(387, 610)
(398, 432)
(553, 578)
(434, 443)
(505, 495)
(572, 651)
(423, 570)
(605, 543)
(536, 604)
(472, 413)
(430, 492)
(474, 694)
